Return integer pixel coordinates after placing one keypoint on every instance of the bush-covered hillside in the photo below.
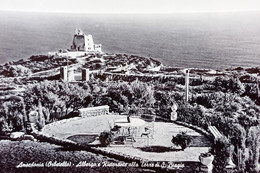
(228, 99)
(40, 63)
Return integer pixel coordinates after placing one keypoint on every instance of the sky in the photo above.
(130, 6)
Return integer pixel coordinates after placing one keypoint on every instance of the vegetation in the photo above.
(221, 150)
(253, 145)
(137, 62)
(33, 64)
(83, 139)
(229, 99)
(40, 63)
(15, 152)
(105, 138)
(182, 139)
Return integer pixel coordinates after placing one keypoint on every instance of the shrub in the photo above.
(221, 149)
(182, 139)
(4, 129)
(105, 138)
(15, 70)
(204, 100)
(164, 113)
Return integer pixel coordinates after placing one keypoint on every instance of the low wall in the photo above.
(196, 128)
(94, 111)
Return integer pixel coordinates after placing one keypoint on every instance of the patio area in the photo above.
(158, 146)
(155, 145)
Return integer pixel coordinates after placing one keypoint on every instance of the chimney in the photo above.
(187, 85)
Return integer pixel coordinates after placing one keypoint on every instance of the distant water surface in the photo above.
(206, 40)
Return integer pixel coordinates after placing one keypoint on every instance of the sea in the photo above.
(188, 40)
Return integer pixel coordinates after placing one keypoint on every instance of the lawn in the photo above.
(12, 153)
(80, 126)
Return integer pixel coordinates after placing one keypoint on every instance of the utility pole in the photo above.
(186, 85)
(67, 65)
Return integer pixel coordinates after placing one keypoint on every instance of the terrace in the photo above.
(156, 146)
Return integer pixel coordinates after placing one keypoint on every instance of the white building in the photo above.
(82, 44)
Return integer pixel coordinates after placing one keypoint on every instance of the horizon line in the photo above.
(118, 12)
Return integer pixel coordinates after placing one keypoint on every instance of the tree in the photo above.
(254, 149)
(4, 128)
(73, 96)
(232, 84)
(143, 94)
(221, 149)
(246, 121)
(56, 98)
(237, 135)
(14, 112)
(252, 91)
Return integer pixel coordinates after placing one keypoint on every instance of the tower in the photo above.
(71, 75)
(89, 43)
(82, 42)
(64, 73)
(85, 74)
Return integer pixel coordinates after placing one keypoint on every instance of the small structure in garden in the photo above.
(230, 165)
(146, 132)
(68, 75)
(149, 127)
(94, 111)
(174, 114)
(206, 160)
(16, 135)
(129, 129)
(214, 131)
